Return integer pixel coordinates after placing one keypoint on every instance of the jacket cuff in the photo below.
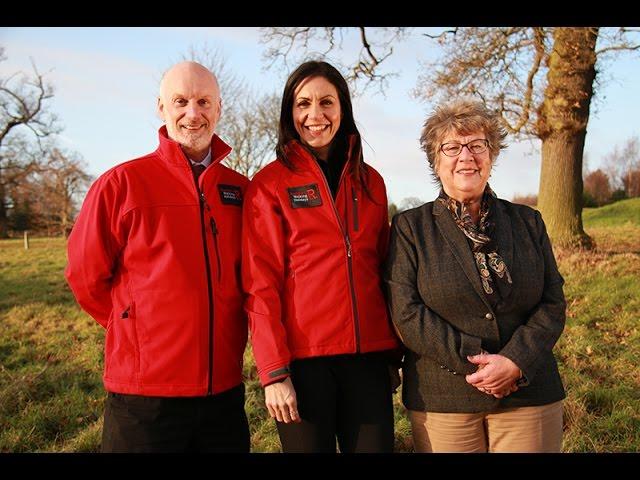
(525, 376)
(275, 376)
(469, 346)
(523, 381)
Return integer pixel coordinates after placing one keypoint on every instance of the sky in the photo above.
(106, 83)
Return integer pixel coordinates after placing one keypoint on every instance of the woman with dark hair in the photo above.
(315, 234)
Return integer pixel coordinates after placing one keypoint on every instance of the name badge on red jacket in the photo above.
(230, 194)
(305, 196)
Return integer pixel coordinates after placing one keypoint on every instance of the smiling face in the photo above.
(190, 105)
(465, 175)
(317, 114)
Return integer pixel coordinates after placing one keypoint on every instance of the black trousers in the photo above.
(217, 423)
(347, 397)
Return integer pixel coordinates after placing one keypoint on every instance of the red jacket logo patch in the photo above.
(230, 194)
(305, 196)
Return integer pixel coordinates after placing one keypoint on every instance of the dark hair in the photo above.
(340, 143)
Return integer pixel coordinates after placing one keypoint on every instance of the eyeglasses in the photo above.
(454, 149)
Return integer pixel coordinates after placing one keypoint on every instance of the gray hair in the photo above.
(461, 116)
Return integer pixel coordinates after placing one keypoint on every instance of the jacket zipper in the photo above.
(214, 230)
(203, 204)
(354, 197)
(347, 243)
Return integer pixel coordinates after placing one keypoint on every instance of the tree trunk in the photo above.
(562, 128)
(560, 195)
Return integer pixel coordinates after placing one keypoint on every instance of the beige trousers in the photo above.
(524, 429)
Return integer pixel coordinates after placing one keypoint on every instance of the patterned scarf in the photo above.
(493, 271)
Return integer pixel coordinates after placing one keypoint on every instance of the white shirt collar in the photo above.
(207, 160)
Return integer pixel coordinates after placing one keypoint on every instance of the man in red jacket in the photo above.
(154, 257)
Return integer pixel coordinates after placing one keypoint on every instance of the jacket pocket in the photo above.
(129, 329)
(129, 312)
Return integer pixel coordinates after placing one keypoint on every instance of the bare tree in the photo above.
(410, 202)
(232, 87)
(252, 130)
(249, 120)
(630, 173)
(23, 111)
(613, 166)
(541, 80)
(63, 181)
(632, 183)
(46, 196)
(293, 45)
(20, 159)
(622, 165)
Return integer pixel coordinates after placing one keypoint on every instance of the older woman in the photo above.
(477, 298)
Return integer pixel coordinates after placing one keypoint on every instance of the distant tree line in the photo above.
(42, 184)
(405, 204)
(47, 198)
(617, 179)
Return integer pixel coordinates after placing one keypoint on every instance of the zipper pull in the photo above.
(214, 228)
(348, 246)
(204, 202)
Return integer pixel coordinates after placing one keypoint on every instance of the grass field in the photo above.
(51, 394)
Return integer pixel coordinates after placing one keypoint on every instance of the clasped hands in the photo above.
(496, 375)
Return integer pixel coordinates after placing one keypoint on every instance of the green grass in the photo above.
(599, 351)
(50, 354)
(52, 399)
(624, 212)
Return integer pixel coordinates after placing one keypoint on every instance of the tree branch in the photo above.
(618, 48)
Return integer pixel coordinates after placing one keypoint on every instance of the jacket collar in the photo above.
(172, 153)
(460, 247)
(301, 155)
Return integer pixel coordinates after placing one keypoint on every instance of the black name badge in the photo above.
(230, 194)
(305, 196)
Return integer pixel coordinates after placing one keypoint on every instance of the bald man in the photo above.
(154, 257)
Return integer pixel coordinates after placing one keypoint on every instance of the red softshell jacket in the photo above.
(158, 266)
(311, 267)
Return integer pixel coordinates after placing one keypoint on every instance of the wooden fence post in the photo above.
(26, 240)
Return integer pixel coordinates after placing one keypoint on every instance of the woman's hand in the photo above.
(496, 374)
(502, 393)
(497, 393)
(281, 401)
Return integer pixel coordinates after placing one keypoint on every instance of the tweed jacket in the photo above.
(439, 308)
